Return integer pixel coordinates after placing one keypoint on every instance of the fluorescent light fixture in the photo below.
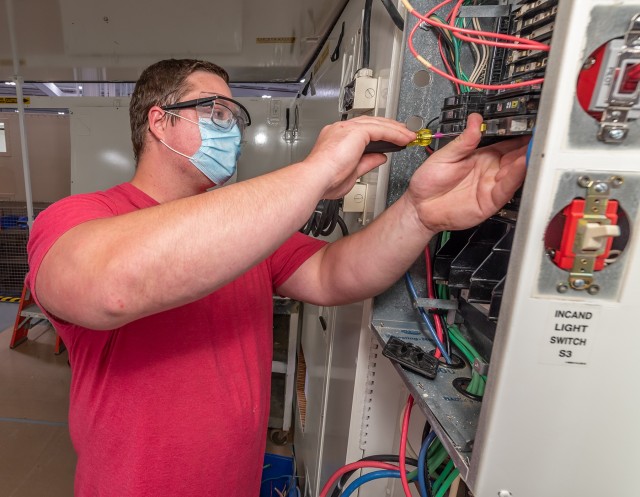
(266, 96)
(302, 80)
(10, 83)
(61, 113)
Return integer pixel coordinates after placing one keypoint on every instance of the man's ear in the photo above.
(158, 122)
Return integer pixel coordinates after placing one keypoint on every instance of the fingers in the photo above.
(369, 162)
(510, 176)
(506, 146)
(378, 129)
(464, 144)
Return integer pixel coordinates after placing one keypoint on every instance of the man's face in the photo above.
(185, 134)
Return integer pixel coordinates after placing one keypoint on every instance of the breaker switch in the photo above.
(596, 236)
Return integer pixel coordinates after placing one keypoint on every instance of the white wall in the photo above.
(100, 140)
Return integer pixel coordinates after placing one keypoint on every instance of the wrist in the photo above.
(411, 215)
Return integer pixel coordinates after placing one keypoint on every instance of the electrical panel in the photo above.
(538, 300)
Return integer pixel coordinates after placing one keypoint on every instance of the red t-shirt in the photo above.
(174, 404)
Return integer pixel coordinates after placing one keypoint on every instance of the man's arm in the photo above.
(107, 272)
(456, 188)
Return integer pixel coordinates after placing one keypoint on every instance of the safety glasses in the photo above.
(224, 112)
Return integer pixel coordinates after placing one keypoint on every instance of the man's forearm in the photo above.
(368, 262)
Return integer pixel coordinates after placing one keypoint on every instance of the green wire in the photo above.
(456, 331)
(436, 461)
(443, 476)
(435, 445)
(447, 484)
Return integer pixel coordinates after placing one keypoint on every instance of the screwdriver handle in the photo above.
(382, 147)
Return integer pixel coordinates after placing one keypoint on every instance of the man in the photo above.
(162, 290)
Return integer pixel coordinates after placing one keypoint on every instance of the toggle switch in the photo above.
(596, 235)
(630, 78)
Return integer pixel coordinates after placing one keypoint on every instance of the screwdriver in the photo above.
(424, 139)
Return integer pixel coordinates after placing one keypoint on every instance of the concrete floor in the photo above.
(36, 455)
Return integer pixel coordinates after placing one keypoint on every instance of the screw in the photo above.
(589, 63)
(369, 93)
(562, 288)
(504, 493)
(615, 113)
(617, 181)
(551, 253)
(593, 289)
(579, 283)
(601, 187)
(584, 181)
(616, 134)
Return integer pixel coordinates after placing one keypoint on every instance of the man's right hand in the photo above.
(338, 152)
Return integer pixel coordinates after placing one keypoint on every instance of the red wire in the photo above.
(403, 447)
(353, 467)
(535, 45)
(520, 84)
(518, 43)
(430, 292)
(446, 64)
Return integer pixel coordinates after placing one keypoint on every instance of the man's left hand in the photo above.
(461, 185)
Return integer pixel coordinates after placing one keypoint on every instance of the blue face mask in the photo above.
(218, 153)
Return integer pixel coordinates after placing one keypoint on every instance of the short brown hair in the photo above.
(162, 83)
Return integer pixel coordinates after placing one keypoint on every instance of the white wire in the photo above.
(481, 66)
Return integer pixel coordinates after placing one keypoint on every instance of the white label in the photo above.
(569, 334)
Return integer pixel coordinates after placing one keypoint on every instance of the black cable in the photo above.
(428, 126)
(395, 15)
(324, 219)
(380, 458)
(343, 226)
(366, 33)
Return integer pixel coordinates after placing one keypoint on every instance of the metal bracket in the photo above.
(481, 367)
(436, 304)
(614, 124)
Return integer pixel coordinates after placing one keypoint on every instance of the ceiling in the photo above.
(257, 41)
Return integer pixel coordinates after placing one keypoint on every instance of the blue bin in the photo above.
(277, 474)
(13, 222)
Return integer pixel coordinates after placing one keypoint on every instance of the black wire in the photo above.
(324, 219)
(427, 477)
(379, 457)
(395, 15)
(366, 33)
(428, 126)
(343, 226)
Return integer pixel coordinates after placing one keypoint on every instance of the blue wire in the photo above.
(376, 475)
(425, 318)
(530, 147)
(422, 461)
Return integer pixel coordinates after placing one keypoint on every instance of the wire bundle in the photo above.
(324, 219)
(432, 457)
(474, 36)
